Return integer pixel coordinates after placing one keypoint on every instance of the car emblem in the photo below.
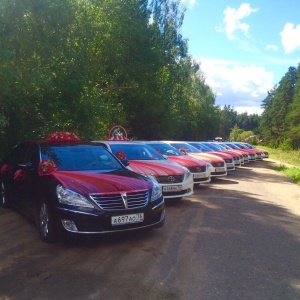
(198, 169)
(124, 198)
(171, 178)
(218, 164)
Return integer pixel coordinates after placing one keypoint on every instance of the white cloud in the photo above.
(250, 110)
(191, 3)
(233, 19)
(236, 84)
(271, 47)
(290, 37)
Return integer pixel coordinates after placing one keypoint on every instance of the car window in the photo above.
(165, 149)
(33, 154)
(137, 151)
(188, 148)
(81, 158)
(19, 153)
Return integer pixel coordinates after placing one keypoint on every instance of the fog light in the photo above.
(69, 225)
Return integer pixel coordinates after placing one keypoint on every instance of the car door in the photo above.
(25, 160)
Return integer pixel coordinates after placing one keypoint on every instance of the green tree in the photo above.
(293, 115)
(228, 120)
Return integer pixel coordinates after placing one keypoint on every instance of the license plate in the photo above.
(199, 175)
(172, 188)
(127, 219)
(220, 169)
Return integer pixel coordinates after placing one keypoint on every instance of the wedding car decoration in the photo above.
(47, 167)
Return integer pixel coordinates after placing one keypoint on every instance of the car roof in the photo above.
(119, 142)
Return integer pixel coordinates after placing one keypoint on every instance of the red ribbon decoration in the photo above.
(5, 169)
(46, 167)
(62, 137)
(183, 151)
(19, 175)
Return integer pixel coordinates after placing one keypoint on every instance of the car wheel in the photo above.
(4, 198)
(45, 222)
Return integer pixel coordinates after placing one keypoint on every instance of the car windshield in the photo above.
(231, 146)
(187, 147)
(201, 146)
(221, 147)
(214, 146)
(165, 149)
(81, 158)
(136, 151)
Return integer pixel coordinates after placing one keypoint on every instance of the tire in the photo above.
(4, 198)
(45, 222)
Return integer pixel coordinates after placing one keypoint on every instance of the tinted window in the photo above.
(188, 148)
(19, 153)
(137, 151)
(81, 158)
(33, 154)
(165, 149)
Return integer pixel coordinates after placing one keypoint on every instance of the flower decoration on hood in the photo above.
(19, 175)
(183, 151)
(5, 169)
(46, 167)
(120, 155)
(62, 137)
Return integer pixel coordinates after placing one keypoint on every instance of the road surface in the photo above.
(236, 238)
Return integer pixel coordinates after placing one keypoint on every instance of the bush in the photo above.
(286, 145)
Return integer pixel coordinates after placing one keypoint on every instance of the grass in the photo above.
(289, 157)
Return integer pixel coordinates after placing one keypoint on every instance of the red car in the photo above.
(175, 180)
(218, 165)
(226, 156)
(199, 168)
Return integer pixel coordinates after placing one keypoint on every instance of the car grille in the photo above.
(197, 169)
(116, 201)
(228, 161)
(219, 164)
(169, 179)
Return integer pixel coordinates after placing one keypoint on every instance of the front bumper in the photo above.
(99, 222)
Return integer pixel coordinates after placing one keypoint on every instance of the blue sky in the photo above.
(244, 47)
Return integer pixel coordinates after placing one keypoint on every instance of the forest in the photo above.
(86, 65)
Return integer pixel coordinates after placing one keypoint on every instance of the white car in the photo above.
(175, 180)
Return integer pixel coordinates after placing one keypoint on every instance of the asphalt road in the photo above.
(236, 238)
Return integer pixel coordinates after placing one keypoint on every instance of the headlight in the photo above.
(209, 166)
(187, 174)
(69, 197)
(150, 176)
(156, 191)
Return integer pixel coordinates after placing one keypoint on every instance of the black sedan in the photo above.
(78, 188)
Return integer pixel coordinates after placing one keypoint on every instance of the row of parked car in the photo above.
(71, 187)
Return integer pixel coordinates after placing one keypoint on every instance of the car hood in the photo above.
(87, 183)
(220, 154)
(207, 157)
(157, 168)
(187, 161)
